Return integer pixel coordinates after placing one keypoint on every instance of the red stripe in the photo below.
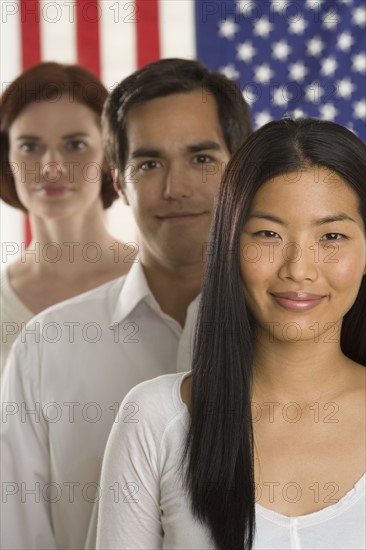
(88, 14)
(31, 54)
(147, 27)
(31, 38)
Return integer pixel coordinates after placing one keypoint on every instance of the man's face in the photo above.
(175, 160)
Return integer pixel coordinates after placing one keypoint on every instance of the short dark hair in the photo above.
(219, 446)
(48, 82)
(166, 77)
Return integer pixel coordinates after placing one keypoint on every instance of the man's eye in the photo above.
(333, 237)
(29, 147)
(149, 165)
(202, 159)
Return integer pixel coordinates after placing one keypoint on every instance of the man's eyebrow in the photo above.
(193, 148)
(146, 152)
(335, 218)
(204, 146)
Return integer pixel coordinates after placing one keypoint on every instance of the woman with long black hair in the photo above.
(262, 445)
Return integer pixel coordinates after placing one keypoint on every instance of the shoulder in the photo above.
(158, 398)
(148, 410)
(94, 303)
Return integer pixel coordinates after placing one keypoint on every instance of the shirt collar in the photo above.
(134, 291)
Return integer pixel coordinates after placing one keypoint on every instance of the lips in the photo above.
(53, 189)
(297, 301)
(179, 216)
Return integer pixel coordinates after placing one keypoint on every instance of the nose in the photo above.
(53, 166)
(177, 184)
(298, 263)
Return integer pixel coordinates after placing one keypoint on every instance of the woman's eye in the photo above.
(267, 234)
(149, 165)
(28, 147)
(75, 145)
(333, 237)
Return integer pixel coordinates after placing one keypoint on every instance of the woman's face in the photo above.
(55, 151)
(303, 255)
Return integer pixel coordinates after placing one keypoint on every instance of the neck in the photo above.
(81, 243)
(174, 287)
(301, 372)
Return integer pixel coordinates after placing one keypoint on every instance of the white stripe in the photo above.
(177, 28)
(58, 31)
(12, 220)
(117, 40)
(10, 43)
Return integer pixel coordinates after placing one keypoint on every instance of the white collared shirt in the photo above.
(66, 376)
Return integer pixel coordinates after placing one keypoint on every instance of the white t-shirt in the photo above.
(144, 506)
(72, 367)
(12, 314)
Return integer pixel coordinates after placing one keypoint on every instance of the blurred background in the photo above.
(289, 58)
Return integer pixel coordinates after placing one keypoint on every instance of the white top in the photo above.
(72, 367)
(13, 314)
(143, 503)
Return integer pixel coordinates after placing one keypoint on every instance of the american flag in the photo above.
(290, 58)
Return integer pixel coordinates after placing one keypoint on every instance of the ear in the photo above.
(118, 185)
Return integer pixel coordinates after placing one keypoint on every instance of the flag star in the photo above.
(279, 5)
(261, 118)
(246, 52)
(359, 62)
(281, 97)
(313, 4)
(297, 26)
(315, 46)
(262, 27)
(330, 19)
(263, 73)
(298, 71)
(359, 16)
(250, 96)
(281, 50)
(329, 66)
(298, 113)
(345, 88)
(345, 41)
(229, 71)
(359, 109)
(328, 111)
(313, 92)
(228, 28)
(245, 6)
(347, 2)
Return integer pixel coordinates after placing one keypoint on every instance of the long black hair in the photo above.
(219, 447)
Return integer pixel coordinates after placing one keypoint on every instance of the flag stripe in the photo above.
(88, 13)
(177, 26)
(58, 28)
(31, 54)
(147, 23)
(117, 40)
(31, 40)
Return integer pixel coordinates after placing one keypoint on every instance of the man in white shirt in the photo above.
(169, 129)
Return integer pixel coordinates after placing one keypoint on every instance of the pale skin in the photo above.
(58, 145)
(308, 401)
(176, 156)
